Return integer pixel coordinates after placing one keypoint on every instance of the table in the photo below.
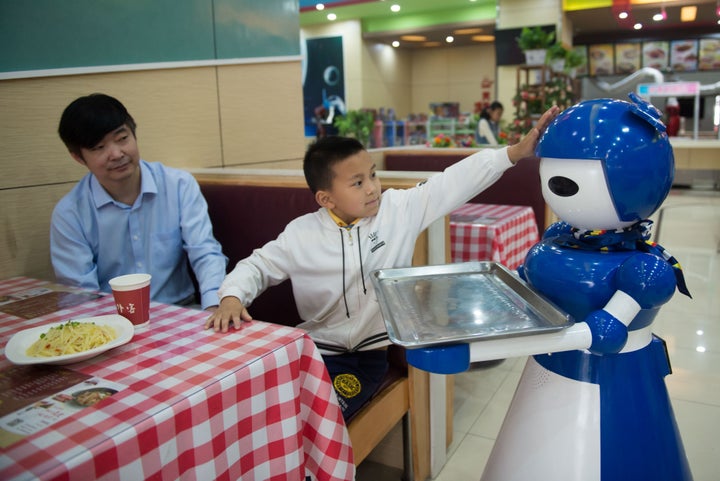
(492, 232)
(253, 404)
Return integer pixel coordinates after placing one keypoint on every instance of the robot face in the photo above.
(576, 190)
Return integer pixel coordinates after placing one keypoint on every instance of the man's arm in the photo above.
(71, 255)
(203, 250)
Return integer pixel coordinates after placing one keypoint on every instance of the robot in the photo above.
(601, 413)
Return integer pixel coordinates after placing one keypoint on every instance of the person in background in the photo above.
(330, 254)
(489, 125)
(128, 215)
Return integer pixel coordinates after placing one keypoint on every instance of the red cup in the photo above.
(132, 297)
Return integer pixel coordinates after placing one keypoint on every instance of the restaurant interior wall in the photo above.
(205, 116)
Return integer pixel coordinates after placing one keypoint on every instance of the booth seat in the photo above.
(519, 185)
(249, 210)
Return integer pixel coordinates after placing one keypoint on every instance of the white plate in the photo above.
(17, 346)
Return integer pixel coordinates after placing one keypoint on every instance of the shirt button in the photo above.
(139, 264)
(135, 237)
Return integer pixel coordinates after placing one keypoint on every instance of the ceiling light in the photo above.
(395, 44)
(319, 6)
(637, 26)
(688, 14)
(622, 15)
(483, 38)
(331, 16)
(395, 8)
(449, 39)
(413, 38)
(467, 31)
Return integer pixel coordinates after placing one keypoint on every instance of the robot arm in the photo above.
(644, 281)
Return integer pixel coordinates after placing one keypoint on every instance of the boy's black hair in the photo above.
(88, 119)
(322, 155)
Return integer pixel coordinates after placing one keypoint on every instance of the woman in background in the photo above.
(489, 124)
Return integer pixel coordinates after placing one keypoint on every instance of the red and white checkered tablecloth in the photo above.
(253, 404)
(491, 232)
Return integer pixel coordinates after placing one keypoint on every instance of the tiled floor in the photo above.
(690, 230)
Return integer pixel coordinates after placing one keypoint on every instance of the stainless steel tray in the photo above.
(462, 302)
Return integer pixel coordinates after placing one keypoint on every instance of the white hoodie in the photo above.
(330, 266)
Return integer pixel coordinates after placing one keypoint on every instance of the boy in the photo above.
(127, 215)
(330, 253)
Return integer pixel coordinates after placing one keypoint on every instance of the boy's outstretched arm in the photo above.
(229, 311)
(526, 147)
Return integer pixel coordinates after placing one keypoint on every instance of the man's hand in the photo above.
(526, 147)
(229, 311)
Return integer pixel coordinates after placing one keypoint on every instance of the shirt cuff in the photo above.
(209, 299)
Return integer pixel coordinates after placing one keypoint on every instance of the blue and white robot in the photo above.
(600, 412)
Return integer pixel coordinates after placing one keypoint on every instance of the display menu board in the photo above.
(627, 57)
(601, 59)
(709, 55)
(684, 55)
(656, 54)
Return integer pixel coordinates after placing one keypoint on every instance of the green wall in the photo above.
(51, 34)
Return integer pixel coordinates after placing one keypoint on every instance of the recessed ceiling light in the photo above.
(483, 38)
(413, 38)
(449, 39)
(467, 31)
(319, 6)
(638, 26)
(622, 15)
(331, 16)
(395, 44)
(395, 8)
(688, 14)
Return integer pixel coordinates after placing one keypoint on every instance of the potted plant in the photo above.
(573, 60)
(356, 123)
(535, 41)
(557, 56)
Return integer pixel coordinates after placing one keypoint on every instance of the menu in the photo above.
(627, 57)
(601, 59)
(39, 301)
(709, 54)
(35, 397)
(655, 54)
(684, 55)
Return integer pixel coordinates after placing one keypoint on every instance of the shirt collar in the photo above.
(147, 186)
(341, 222)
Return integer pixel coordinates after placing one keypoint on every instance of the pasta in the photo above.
(71, 338)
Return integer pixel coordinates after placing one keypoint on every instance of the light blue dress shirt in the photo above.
(94, 238)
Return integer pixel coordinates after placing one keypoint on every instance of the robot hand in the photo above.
(609, 335)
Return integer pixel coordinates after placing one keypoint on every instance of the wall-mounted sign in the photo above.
(669, 89)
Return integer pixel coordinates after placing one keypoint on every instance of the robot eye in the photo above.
(563, 186)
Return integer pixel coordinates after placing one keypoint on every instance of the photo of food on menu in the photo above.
(627, 57)
(601, 59)
(684, 55)
(709, 54)
(656, 54)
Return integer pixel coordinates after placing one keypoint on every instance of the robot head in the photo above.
(606, 163)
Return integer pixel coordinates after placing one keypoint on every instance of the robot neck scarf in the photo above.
(635, 237)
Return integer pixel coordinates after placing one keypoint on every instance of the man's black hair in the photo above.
(88, 119)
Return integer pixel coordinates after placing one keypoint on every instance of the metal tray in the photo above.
(464, 302)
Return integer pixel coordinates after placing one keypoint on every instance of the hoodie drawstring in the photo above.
(342, 245)
(362, 272)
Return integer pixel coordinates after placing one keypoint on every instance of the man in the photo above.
(128, 215)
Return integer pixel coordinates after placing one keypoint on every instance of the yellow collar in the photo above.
(341, 222)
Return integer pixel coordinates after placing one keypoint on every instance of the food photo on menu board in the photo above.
(684, 55)
(709, 58)
(601, 59)
(656, 55)
(627, 57)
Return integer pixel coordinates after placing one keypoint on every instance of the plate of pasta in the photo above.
(69, 341)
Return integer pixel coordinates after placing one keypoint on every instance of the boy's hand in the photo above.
(229, 311)
(526, 147)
